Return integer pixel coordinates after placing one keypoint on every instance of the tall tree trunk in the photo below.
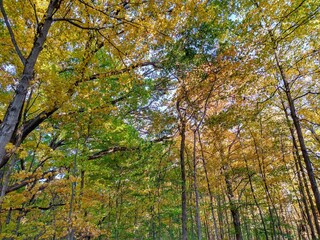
(232, 201)
(297, 125)
(182, 130)
(304, 201)
(220, 217)
(254, 195)
(195, 185)
(73, 191)
(233, 208)
(226, 225)
(275, 220)
(216, 230)
(11, 118)
(300, 168)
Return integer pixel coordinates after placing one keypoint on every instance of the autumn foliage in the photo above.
(159, 119)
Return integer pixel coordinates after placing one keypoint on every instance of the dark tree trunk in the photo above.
(297, 125)
(233, 208)
(216, 230)
(11, 118)
(303, 186)
(196, 186)
(255, 200)
(183, 174)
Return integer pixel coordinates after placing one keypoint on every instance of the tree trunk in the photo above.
(255, 198)
(233, 208)
(196, 186)
(299, 167)
(216, 230)
(275, 220)
(11, 118)
(183, 175)
(297, 125)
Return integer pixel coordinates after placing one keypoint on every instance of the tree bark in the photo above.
(233, 208)
(215, 225)
(297, 125)
(11, 118)
(300, 169)
(183, 174)
(195, 185)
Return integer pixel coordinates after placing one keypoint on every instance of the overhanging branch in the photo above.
(116, 149)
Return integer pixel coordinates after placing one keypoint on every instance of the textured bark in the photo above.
(11, 118)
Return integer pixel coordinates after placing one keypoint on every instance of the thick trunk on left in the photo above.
(11, 119)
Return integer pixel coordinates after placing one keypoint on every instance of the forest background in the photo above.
(124, 119)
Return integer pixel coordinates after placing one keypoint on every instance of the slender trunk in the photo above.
(275, 220)
(220, 217)
(216, 230)
(206, 227)
(304, 201)
(300, 168)
(297, 125)
(183, 175)
(245, 220)
(196, 186)
(298, 221)
(158, 202)
(313, 208)
(224, 203)
(233, 207)
(191, 214)
(255, 199)
(82, 176)
(253, 216)
(73, 192)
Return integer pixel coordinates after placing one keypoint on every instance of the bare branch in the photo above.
(115, 72)
(73, 22)
(28, 180)
(34, 207)
(305, 94)
(111, 150)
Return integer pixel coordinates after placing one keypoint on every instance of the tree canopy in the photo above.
(166, 119)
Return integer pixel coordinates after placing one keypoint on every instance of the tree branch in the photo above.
(305, 94)
(33, 123)
(73, 22)
(116, 72)
(13, 40)
(35, 207)
(26, 181)
(111, 150)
